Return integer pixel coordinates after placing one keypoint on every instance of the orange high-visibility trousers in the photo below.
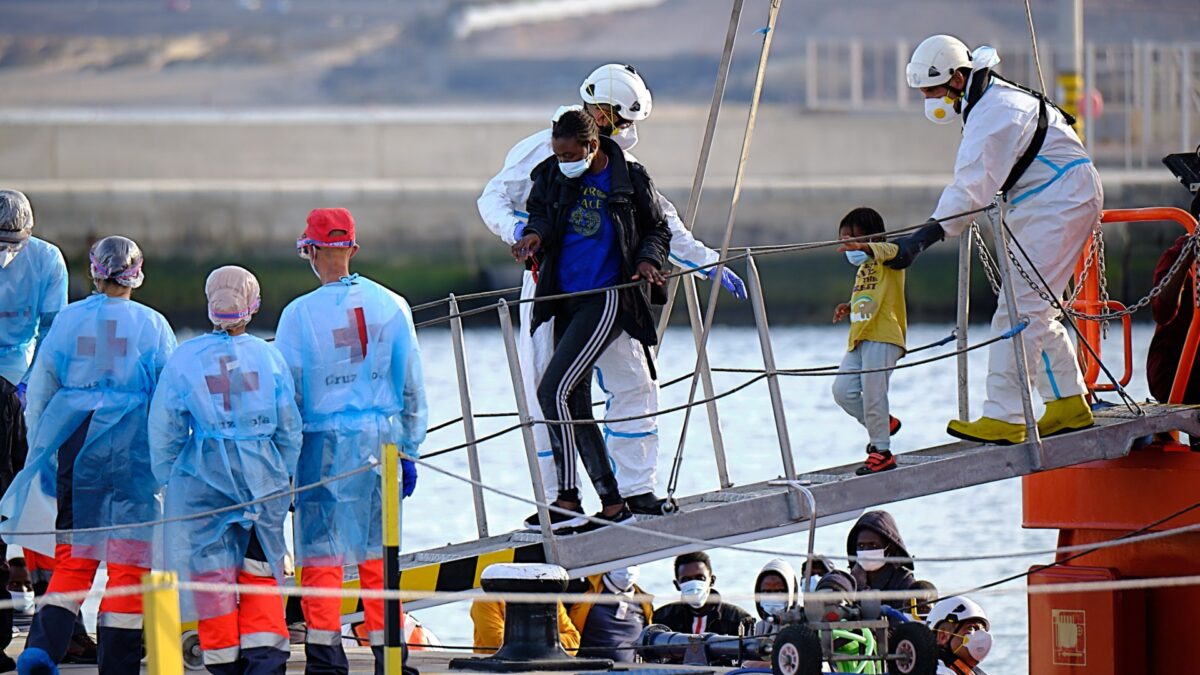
(256, 622)
(323, 615)
(72, 575)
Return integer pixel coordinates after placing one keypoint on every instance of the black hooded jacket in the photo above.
(892, 576)
(641, 230)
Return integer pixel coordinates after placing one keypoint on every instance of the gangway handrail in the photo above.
(1171, 214)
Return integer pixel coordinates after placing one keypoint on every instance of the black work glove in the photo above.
(911, 246)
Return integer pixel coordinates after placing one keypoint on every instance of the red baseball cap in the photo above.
(321, 223)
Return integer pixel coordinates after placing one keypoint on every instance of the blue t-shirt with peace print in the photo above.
(591, 254)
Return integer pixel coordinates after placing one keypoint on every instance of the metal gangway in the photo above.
(789, 501)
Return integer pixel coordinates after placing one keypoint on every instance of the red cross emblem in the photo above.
(230, 382)
(354, 335)
(105, 350)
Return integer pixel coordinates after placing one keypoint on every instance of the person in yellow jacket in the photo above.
(608, 630)
(488, 618)
(878, 323)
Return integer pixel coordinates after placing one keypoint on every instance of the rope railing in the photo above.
(747, 252)
(566, 598)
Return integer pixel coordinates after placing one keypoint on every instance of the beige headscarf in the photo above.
(233, 296)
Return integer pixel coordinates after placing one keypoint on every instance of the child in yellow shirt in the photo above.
(877, 328)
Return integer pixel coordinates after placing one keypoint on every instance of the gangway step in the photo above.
(763, 510)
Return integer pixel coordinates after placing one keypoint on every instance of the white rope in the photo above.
(610, 598)
(1037, 59)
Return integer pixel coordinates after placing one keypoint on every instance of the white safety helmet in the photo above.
(934, 61)
(956, 608)
(621, 87)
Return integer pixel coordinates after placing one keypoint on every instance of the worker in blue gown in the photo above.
(225, 430)
(89, 462)
(352, 349)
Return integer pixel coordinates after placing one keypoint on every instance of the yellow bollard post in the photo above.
(160, 607)
(393, 629)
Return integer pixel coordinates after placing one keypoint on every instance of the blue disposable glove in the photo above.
(410, 476)
(21, 394)
(733, 283)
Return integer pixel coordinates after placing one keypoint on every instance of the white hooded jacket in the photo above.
(998, 130)
(502, 204)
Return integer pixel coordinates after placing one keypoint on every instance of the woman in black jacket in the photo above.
(594, 223)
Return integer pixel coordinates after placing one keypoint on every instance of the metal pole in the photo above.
(856, 74)
(468, 415)
(1185, 92)
(549, 544)
(811, 85)
(964, 319)
(710, 132)
(754, 286)
(743, 159)
(714, 420)
(689, 221)
(1089, 84)
(1018, 340)
(393, 621)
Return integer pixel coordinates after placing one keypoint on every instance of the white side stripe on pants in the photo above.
(575, 372)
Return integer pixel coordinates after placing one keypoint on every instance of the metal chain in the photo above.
(1189, 248)
(985, 258)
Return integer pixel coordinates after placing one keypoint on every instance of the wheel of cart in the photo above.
(912, 650)
(193, 658)
(797, 651)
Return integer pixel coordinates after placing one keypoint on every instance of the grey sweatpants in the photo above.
(865, 396)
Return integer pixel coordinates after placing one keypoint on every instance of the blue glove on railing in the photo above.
(21, 394)
(911, 246)
(410, 477)
(733, 283)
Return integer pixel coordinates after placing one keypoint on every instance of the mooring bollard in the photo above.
(530, 628)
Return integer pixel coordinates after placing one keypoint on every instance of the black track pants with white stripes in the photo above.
(583, 327)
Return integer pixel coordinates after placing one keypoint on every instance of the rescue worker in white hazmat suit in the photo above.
(225, 430)
(1016, 143)
(89, 460)
(617, 97)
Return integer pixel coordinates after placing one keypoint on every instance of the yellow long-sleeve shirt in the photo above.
(488, 620)
(877, 310)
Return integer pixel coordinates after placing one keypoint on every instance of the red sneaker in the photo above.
(877, 461)
(893, 425)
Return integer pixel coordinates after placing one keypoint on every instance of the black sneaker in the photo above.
(646, 503)
(558, 520)
(601, 520)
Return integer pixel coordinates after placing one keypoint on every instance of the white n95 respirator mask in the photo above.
(940, 110)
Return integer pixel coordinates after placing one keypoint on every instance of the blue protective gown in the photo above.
(88, 399)
(33, 288)
(353, 352)
(224, 430)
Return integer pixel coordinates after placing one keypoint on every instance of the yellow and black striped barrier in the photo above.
(393, 624)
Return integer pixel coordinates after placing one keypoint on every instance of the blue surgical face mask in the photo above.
(575, 169)
(857, 258)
